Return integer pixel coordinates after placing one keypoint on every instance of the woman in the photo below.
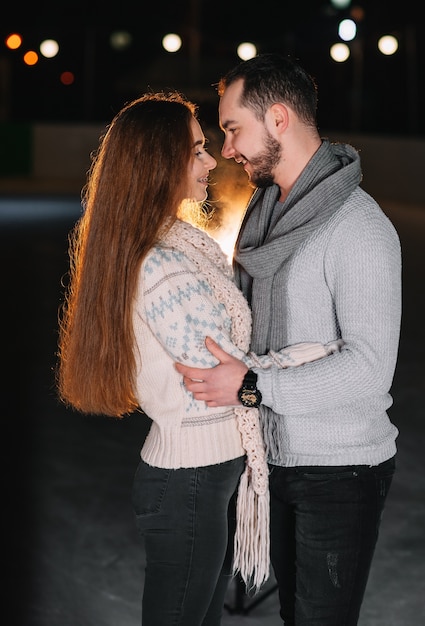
(145, 289)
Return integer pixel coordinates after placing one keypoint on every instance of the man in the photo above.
(318, 260)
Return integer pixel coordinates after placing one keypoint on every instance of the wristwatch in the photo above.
(248, 394)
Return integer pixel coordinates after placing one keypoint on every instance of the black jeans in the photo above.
(324, 528)
(185, 516)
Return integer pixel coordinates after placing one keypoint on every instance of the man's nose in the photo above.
(227, 151)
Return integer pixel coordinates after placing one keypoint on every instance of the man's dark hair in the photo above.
(270, 78)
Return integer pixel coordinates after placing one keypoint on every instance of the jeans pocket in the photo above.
(149, 489)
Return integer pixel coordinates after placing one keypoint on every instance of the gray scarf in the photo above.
(271, 231)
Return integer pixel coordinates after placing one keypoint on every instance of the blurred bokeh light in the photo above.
(49, 48)
(172, 42)
(115, 56)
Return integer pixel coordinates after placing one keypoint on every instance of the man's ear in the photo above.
(279, 116)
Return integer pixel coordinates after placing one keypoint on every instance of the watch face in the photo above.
(250, 397)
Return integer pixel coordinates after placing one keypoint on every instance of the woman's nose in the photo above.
(212, 162)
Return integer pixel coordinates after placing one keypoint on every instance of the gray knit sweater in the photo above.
(324, 264)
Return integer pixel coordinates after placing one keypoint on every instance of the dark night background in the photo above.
(389, 90)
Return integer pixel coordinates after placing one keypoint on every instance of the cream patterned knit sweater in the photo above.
(176, 308)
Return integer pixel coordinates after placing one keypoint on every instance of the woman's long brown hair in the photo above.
(137, 180)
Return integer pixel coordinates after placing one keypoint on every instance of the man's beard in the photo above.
(264, 163)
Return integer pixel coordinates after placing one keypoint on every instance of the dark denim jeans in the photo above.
(324, 528)
(185, 516)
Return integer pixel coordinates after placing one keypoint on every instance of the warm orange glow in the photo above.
(228, 195)
(67, 78)
(229, 220)
(13, 41)
(226, 241)
(31, 57)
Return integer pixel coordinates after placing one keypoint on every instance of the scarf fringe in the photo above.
(252, 538)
